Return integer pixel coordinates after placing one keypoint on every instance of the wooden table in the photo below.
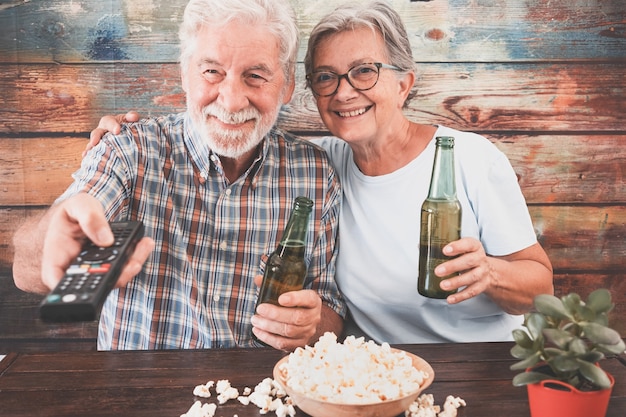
(161, 383)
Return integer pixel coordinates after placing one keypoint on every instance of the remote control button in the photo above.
(53, 298)
(68, 298)
(99, 268)
(98, 255)
(76, 270)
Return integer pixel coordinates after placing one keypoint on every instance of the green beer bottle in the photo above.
(440, 220)
(286, 269)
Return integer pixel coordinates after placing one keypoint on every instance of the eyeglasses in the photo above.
(361, 77)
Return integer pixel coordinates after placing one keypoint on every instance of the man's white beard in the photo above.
(231, 143)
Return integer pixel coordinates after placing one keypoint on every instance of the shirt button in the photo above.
(216, 298)
(227, 191)
(223, 245)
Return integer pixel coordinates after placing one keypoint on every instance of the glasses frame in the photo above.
(378, 65)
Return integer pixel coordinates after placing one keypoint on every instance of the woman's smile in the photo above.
(353, 113)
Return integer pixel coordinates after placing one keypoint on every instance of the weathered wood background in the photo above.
(546, 81)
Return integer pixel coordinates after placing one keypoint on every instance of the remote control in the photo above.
(91, 276)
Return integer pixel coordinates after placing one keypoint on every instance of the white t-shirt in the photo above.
(377, 267)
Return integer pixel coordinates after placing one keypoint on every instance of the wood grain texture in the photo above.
(34, 172)
(582, 238)
(57, 31)
(561, 169)
(161, 383)
(468, 96)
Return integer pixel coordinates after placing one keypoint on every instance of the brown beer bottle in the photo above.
(286, 269)
(440, 220)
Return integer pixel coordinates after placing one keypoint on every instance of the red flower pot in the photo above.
(567, 401)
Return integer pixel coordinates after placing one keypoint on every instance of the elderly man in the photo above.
(213, 187)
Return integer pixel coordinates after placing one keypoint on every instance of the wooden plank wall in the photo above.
(544, 80)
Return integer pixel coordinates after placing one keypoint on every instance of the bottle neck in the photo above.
(442, 182)
(296, 229)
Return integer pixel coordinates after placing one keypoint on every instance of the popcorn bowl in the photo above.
(316, 407)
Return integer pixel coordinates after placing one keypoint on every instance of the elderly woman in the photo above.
(361, 71)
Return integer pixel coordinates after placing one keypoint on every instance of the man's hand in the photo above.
(74, 220)
(111, 124)
(292, 324)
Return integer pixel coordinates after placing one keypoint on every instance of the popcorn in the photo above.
(268, 396)
(375, 373)
(284, 410)
(425, 406)
(203, 390)
(200, 410)
(451, 405)
(225, 391)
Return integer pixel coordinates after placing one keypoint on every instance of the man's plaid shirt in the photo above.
(196, 290)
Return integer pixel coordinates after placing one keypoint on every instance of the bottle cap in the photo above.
(445, 141)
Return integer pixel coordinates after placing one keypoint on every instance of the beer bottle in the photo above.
(440, 220)
(285, 269)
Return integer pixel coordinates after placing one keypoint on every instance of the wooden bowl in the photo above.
(319, 408)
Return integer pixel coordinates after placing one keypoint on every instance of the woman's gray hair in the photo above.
(276, 15)
(377, 15)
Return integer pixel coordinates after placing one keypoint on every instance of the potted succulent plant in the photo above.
(560, 348)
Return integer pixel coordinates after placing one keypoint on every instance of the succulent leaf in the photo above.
(578, 346)
(520, 352)
(592, 356)
(600, 334)
(594, 374)
(558, 337)
(564, 364)
(526, 378)
(529, 362)
(522, 338)
(572, 303)
(535, 323)
(551, 352)
(616, 349)
(600, 301)
(585, 314)
(551, 306)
